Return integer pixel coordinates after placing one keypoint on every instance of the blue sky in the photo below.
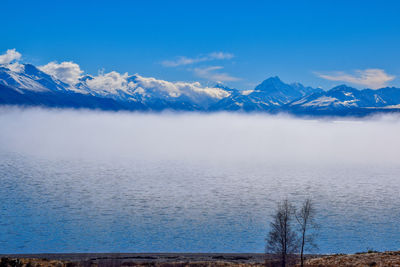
(317, 43)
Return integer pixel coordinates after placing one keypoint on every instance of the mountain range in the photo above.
(30, 86)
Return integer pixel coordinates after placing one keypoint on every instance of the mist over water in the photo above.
(76, 181)
(217, 137)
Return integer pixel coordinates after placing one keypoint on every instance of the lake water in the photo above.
(108, 182)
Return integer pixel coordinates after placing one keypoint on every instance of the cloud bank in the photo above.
(372, 78)
(177, 89)
(109, 82)
(67, 71)
(114, 83)
(217, 138)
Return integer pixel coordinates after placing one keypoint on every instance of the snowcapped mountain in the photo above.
(124, 92)
(29, 78)
(25, 84)
(270, 95)
(279, 93)
(342, 98)
(153, 93)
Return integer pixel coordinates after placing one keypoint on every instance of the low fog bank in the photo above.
(216, 137)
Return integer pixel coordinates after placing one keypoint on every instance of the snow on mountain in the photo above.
(237, 101)
(29, 78)
(136, 88)
(270, 95)
(20, 81)
(343, 97)
(336, 98)
(276, 92)
(154, 93)
(65, 86)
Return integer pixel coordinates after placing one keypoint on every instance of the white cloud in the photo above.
(209, 73)
(175, 89)
(10, 56)
(113, 83)
(372, 78)
(182, 60)
(220, 55)
(108, 82)
(67, 71)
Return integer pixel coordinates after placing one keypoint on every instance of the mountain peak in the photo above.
(273, 79)
(33, 86)
(272, 83)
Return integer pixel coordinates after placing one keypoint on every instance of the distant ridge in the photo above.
(29, 86)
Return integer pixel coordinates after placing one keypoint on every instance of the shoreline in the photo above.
(249, 258)
(377, 259)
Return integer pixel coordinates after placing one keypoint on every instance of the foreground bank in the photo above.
(378, 259)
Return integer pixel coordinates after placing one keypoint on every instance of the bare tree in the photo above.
(306, 219)
(282, 238)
